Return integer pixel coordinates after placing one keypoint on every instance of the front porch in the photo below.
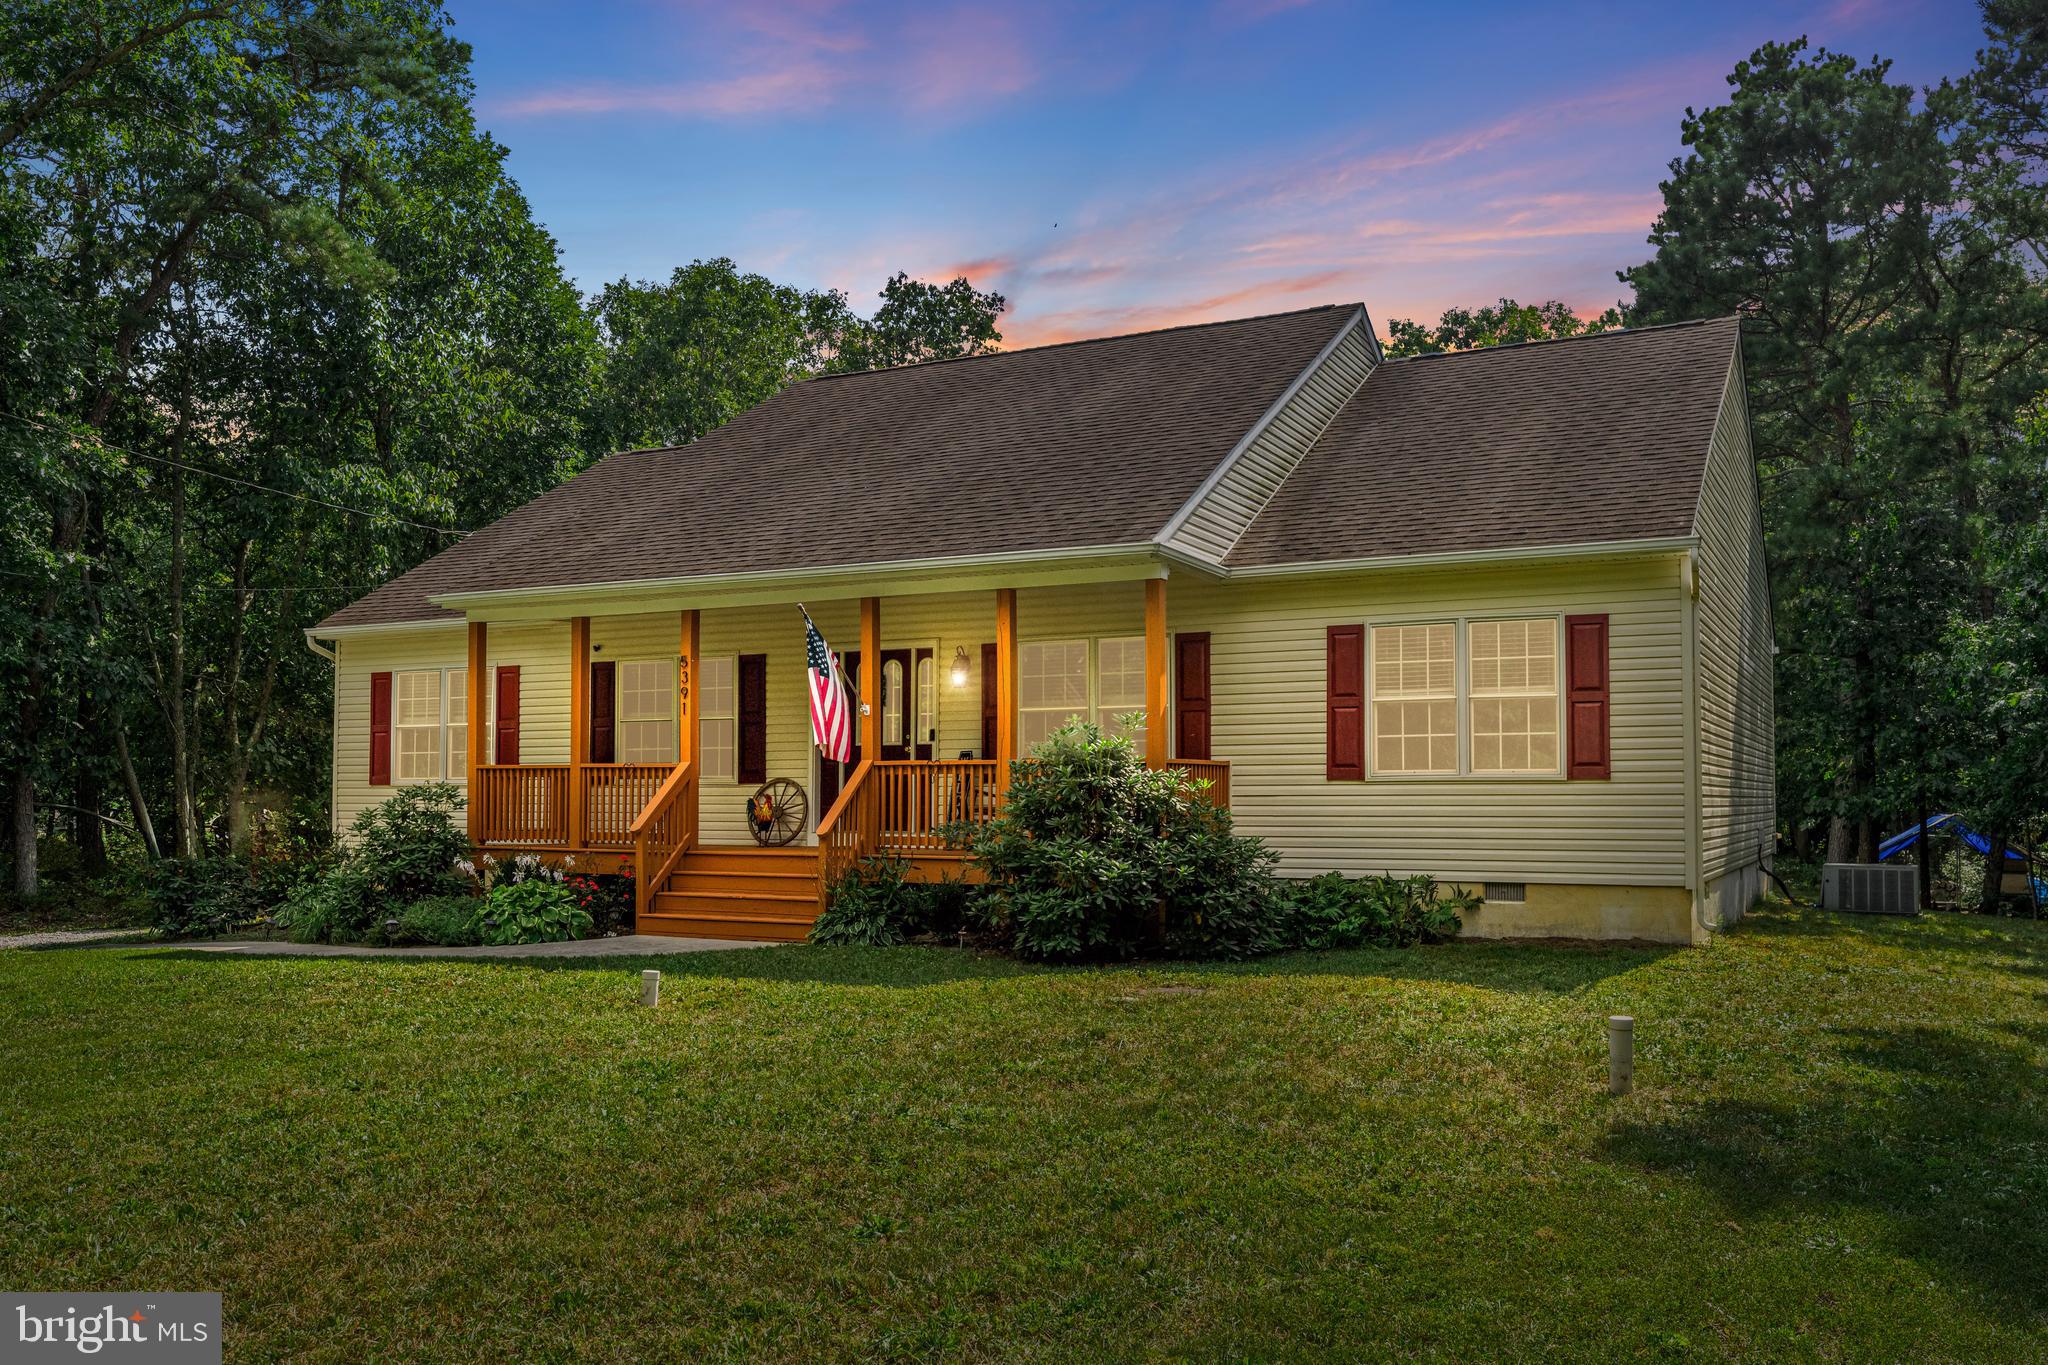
(737, 715)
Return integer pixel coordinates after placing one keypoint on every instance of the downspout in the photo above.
(1689, 592)
(333, 726)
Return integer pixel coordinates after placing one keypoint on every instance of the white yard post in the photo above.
(650, 987)
(1621, 1054)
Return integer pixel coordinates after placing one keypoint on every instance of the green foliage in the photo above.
(876, 905)
(408, 845)
(1093, 853)
(537, 910)
(205, 897)
(1504, 324)
(1335, 911)
(400, 851)
(918, 322)
(448, 921)
(607, 900)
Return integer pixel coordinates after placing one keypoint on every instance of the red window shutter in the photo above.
(1191, 694)
(1344, 703)
(507, 720)
(753, 718)
(380, 729)
(604, 698)
(988, 700)
(1586, 696)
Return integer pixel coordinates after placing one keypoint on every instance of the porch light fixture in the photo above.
(959, 670)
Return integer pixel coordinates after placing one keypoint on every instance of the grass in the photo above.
(1836, 1151)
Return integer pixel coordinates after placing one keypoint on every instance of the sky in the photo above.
(1116, 167)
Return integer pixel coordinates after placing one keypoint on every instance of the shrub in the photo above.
(1335, 911)
(871, 906)
(410, 844)
(449, 921)
(205, 897)
(399, 852)
(607, 900)
(537, 910)
(1093, 853)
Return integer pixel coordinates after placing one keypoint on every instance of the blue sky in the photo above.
(1116, 167)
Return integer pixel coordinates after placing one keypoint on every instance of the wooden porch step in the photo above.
(750, 904)
(774, 930)
(717, 859)
(766, 882)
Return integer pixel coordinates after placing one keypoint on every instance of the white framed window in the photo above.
(1514, 705)
(458, 725)
(1120, 686)
(1052, 687)
(892, 702)
(1415, 698)
(646, 711)
(416, 726)
(717, 728)
(927, 701)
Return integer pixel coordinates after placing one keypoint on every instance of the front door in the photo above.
(909, 699)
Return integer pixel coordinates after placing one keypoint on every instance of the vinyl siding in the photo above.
(1733, 661)
(356, 658)
(1267, 680)
(1266, 677)
(1223, 511)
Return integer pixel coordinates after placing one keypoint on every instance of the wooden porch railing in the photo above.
(1214, 772)
(849, 830)
(661, 834)
(525, 803)
(917, 797)
(614, 794)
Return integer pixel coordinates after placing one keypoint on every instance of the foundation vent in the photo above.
(1507, 891)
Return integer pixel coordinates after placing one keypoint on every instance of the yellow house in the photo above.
(1498, 616)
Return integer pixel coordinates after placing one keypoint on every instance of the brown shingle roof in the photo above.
(1085, 444)
(1595, 439)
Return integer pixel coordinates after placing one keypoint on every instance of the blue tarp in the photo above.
(1951, 824)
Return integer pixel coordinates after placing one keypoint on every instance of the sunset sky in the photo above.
(1113, 168)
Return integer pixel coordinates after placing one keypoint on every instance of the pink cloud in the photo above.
(778, 58)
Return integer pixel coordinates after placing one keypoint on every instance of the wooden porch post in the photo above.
(1006, 684)
(1155, 673)
(687, 712)
(579, 723)
(871, 678)
(475, 702)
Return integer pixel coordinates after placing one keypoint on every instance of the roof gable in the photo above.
(1595, 439)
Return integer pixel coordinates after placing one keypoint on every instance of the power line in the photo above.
(230, 478)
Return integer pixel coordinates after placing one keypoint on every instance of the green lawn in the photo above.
(1838, 1150)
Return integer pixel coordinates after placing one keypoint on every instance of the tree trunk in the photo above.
(144, 829)
(1839, 850)
(25, 884)
(88, 796)
(1926, 851)
(1802, 841)
(1994, 875)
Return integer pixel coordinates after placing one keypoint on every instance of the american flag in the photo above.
(831, 715)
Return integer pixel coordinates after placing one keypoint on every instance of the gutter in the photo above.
(322, 650)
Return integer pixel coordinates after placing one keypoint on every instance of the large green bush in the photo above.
(1094, 855)
(399, 852)
(876, 905)
(205, 897)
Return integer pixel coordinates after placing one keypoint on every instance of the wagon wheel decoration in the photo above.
(777, 812)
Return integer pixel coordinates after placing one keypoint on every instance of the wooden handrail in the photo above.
(847, 833)
(853, 783)
(662, 834)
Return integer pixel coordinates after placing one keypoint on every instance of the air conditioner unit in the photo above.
(1871, 888)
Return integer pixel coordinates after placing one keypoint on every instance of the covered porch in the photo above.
(954, 690)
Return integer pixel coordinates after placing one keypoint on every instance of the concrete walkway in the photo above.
(65, 938)
(626, 945)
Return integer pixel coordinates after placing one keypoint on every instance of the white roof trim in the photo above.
(1258, 428)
